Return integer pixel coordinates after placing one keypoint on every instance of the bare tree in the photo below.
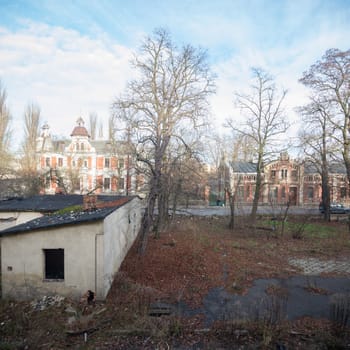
(317, 144)
(31, 132)
(5, 132)
(29, 173)
(264, 123)
(169, 96)
(329, 79)
(100, 130)
(93, 125)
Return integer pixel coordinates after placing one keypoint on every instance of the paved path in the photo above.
(313, 266)
(244, 210)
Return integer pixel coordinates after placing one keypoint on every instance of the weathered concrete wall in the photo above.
(9, 219)
(93, 253)
(22, 261)
(120, 229)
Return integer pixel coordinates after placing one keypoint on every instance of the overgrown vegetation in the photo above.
(193, 256)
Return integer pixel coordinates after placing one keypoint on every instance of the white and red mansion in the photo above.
(82, 165)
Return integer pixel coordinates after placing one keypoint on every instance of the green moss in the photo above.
(73, 208)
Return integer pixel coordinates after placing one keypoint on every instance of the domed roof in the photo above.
(80, 129)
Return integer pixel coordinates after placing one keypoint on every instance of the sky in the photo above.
(72, 58)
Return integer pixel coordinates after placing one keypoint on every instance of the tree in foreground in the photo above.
(264, 123)
(317, 144)
(329, 80)
(168, 98)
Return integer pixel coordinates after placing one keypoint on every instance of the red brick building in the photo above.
(287, 180)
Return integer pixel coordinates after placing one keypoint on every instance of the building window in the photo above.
(54, 264)
(275, 192)
(77, 146)
(82, 146)
(283, 193)
(60, 162)
(106, 183)
(121, 183)
(310, 193)
(107, 162)
(342, 192)
(273, 173)
(294, 174)
(47, 161)
(121, 163)
(85, 163)
(73, 163)
(284, 173)
(48, 181)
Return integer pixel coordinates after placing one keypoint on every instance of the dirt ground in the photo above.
(193, 256)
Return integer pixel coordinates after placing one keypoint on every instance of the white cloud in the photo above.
(286, 62)
(67, 74)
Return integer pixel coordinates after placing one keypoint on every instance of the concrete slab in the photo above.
(315, 267)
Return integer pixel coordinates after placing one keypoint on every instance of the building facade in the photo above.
(82, 165)
(288, 181)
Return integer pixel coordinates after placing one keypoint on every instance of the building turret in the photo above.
(44, 141)
(80, 130)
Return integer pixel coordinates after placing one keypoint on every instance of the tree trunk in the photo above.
(231, 198)
(325, 193)
(163, 210)
(147, 221)
(256, 193)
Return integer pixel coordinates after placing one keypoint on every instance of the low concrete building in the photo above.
(17, 210)
(69, 253)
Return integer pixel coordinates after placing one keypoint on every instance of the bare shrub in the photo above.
(340, 311)
(298, 230)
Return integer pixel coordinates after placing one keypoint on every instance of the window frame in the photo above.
(56, 267)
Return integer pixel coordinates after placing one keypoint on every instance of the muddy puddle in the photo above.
(276, 299)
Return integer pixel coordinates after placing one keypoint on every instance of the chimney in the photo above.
(90, 202)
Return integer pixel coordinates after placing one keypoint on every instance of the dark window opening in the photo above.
(342, 192)
(121, 183)
(106, 183)
(54, 264)
(107, 162)
(310, 193)
(283, 193)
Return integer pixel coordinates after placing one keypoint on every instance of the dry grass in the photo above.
(193, 256)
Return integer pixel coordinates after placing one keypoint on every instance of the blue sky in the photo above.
(73, 57)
